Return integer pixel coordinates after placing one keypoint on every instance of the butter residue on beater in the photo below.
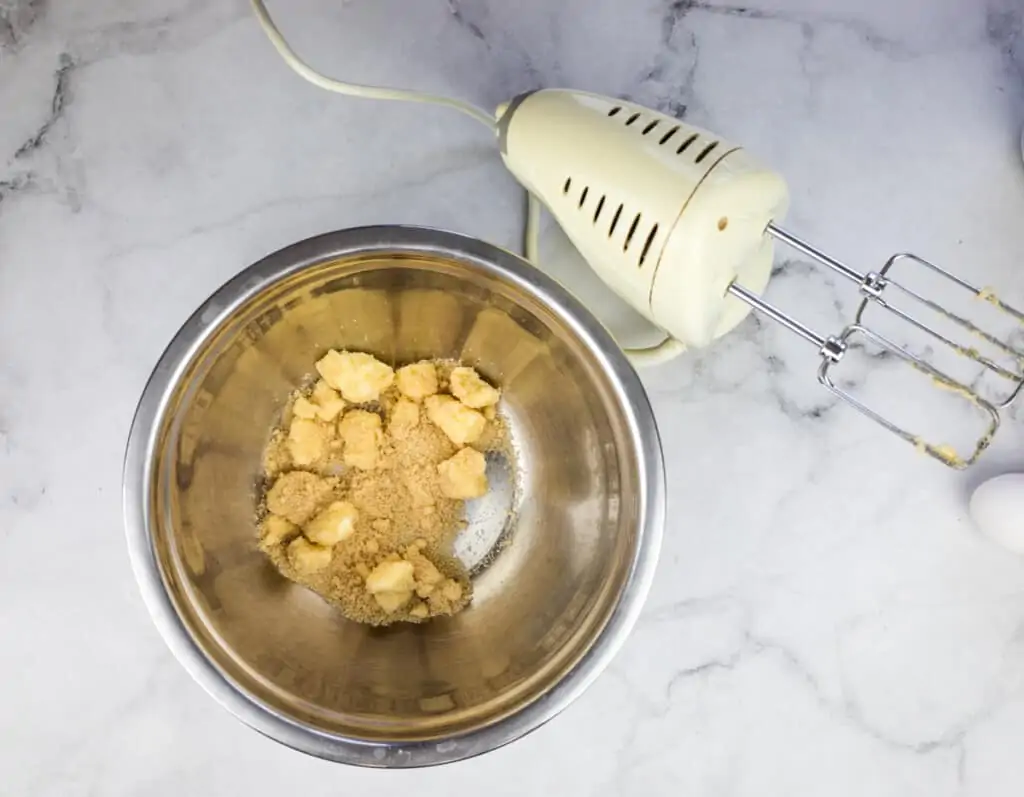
(365, 484)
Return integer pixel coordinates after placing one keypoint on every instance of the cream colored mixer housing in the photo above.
(636, 190)
(680, 223)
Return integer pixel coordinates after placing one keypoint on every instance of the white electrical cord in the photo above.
(531, 236)
(355, 89)
(653, 355)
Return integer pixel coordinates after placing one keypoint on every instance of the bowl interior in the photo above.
(553, 546)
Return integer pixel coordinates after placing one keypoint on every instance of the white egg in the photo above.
(997, 509)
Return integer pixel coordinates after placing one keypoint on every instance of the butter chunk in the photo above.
(361, 432)
(335, 524)
(327, 401)
(405, 416)
(419, 611)
(307, 557)
(307, 441)
(391, 602)
(359, 377)
(391, 584)
(304, 408)
(393, 576)
(464, 475)
(417, 381)
(471, 390)
(275, 529)
(460, 423)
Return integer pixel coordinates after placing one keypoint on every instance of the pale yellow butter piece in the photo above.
(417, 381)
(392, 576)
(471, 390)
(327, 400)
(392, 601)
(360, 377)
(335, 524)
(307, 441)
(405, 416)
(391, 584)
(460, 423)
(304, 408)
(307, 557)
(275, 530)
(463, 475)
(361, 432)
(419, 611)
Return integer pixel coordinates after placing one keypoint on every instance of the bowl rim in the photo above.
(140, 458)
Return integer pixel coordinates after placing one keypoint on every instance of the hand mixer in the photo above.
(681, 224)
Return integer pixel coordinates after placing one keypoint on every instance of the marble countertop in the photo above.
(824, 619)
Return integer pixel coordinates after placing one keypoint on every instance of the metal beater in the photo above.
(873, 286)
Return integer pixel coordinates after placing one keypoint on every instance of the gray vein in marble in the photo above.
(671, 76)
(181, 30)
(58, 103)
(13, 185)
(752, 646)
(951, 739)
(456, 11)
(868, 34)
(17, 17)
(467, 159)
(777, 368)
(845, 710)
(518, 75)
(776, 364)
(1004, 27)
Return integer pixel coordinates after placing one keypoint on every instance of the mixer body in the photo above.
(668, 214)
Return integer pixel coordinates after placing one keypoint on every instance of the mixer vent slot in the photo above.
(650, 127)
(629, 234)
(647, 245)
(632, 119)
(615, 110)
(705, 152)
(668, 135)
(567, 186)
(600, 205)
(583, 195)
(615, 220)
(685, 144)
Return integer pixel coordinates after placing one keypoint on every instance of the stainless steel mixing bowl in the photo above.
(574, 547)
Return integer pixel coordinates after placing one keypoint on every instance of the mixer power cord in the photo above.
(356, 89)
(653, 355)
(532, 232)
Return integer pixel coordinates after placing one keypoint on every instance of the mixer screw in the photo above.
(833, 349)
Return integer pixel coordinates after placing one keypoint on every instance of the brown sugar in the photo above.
(297, 495)
(363, 515)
